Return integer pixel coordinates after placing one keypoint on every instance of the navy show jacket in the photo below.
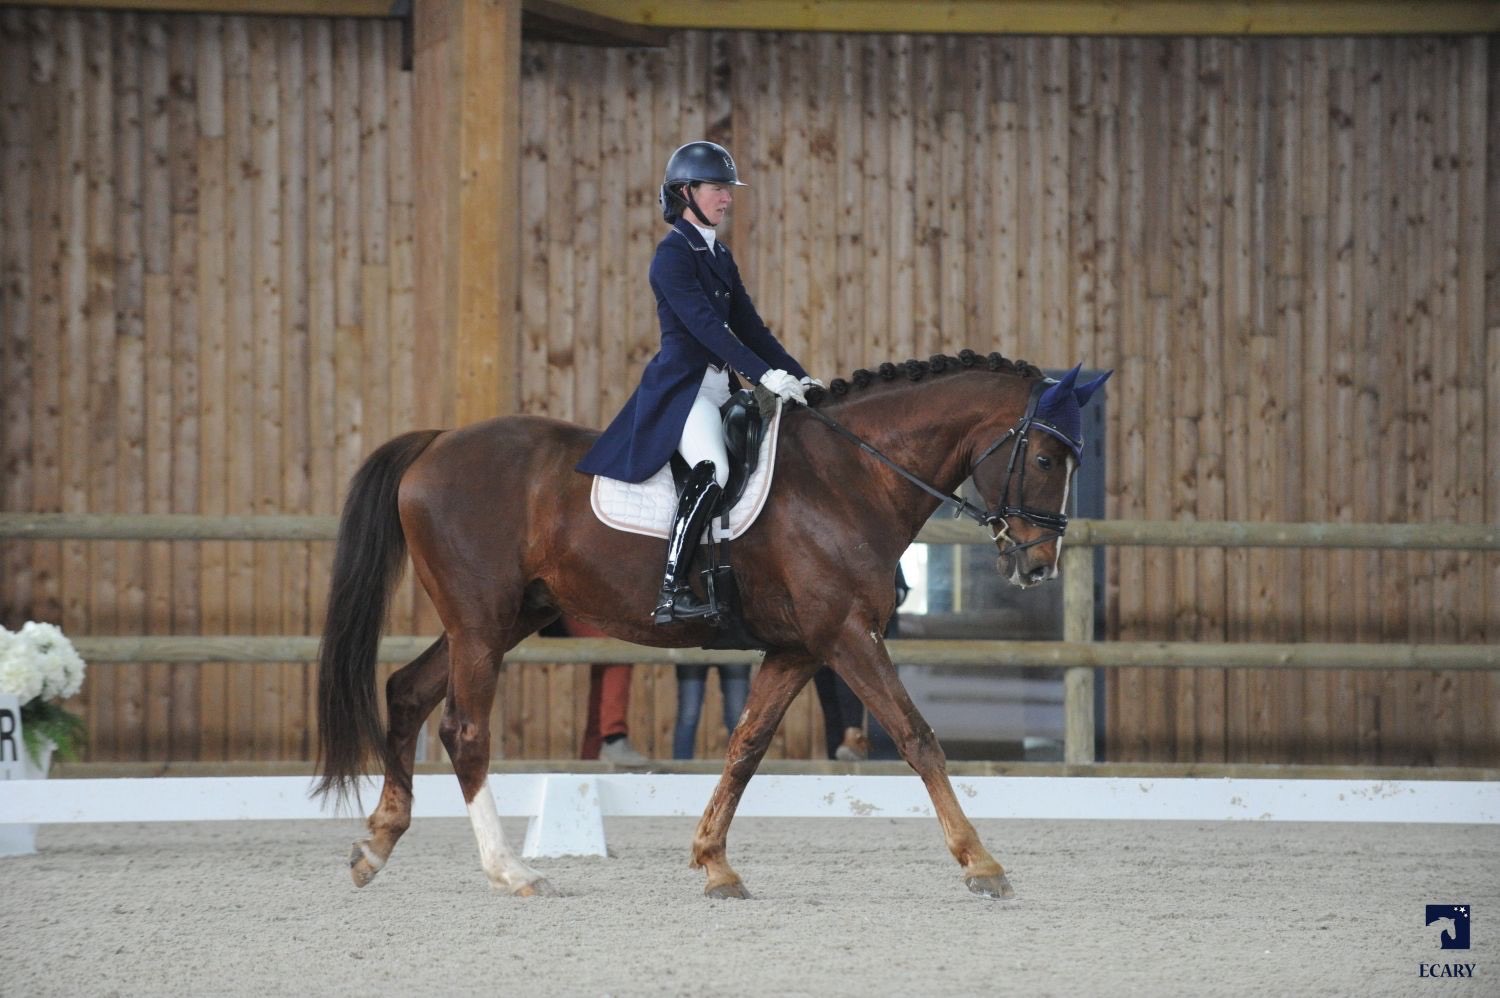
(707, 320)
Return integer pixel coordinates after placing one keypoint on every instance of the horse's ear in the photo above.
(1054, 394)
(1084, 392)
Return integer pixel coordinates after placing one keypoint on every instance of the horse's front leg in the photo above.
(781, 677)
(466, 735)
(860, 657)
(411, 694)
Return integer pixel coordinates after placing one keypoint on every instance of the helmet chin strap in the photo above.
(687, 195)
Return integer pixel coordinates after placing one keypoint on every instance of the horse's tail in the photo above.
(367, 562)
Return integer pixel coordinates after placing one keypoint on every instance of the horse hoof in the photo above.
(723, 892)
(360, 867)
(541, 887)
(991, 887)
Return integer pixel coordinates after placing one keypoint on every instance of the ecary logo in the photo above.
(1455, 933)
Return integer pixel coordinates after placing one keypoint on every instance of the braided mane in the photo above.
(916, 370)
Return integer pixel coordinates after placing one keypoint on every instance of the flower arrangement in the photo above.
(39, 665)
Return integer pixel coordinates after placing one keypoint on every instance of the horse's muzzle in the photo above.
(1016, 564)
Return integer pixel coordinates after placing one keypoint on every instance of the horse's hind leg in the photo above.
(861, 658)
(411, 694)
(780, 679)
(465, 729)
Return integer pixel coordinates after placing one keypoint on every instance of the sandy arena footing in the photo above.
(842, 907)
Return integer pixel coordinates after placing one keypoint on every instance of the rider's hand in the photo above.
(811, 382)
(784, 385)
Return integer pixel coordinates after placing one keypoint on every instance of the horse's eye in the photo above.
(1044, 462)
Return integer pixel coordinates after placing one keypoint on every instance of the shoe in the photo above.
(682, 604)
(622, 753)
(854, 748)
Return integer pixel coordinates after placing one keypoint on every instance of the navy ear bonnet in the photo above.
(1060, 409)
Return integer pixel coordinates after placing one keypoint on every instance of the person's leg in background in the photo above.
(843, 718)
(833, 715)
(691, 682)
(606, 734)
(614, 702)
(853, 746)
(734, 684)
(591, 739)
(607, 729)
(882, 745)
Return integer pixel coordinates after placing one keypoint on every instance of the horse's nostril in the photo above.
(1037, 574)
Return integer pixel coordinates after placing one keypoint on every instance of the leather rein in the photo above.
(1055, 523)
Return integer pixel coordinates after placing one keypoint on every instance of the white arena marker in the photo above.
(568, 819)
(12, 742)
(15, 839)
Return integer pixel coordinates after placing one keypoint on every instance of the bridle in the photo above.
(1056, 523)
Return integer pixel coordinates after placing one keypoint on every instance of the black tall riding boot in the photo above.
(699, 496)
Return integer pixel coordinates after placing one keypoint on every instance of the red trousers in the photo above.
(609, 696)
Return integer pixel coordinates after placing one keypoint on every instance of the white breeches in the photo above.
(703, 433)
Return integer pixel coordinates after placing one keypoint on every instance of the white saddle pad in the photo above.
(648, 507)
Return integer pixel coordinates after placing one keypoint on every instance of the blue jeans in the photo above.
(692, 682)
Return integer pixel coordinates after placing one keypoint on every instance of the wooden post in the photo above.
(1078, 625)
(467, 167)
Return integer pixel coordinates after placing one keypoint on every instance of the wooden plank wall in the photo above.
(207, 258)
(1286, 248)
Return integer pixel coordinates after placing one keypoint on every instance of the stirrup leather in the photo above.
(677, 601)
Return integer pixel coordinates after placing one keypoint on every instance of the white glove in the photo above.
(810, 382)
(784, 385)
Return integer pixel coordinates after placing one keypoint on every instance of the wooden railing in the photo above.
(1076, 654)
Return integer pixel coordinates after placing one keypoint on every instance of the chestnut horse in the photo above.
(500, 529)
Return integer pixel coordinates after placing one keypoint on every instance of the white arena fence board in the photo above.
(567, 810)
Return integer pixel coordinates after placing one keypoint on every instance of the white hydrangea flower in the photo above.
(73, 670)
(18, 673)
(56, 660)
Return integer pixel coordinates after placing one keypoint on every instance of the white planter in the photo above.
(20, 840)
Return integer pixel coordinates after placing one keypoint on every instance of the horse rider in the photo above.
(708, 327)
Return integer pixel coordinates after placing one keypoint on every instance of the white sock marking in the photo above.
(499, 863)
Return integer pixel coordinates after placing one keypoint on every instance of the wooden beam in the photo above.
(544, 20)
(1078, 627)
(550, 21)
(641, 22)
(1204, 533)
(1104, 533)
(1065, 17)
(949, 654)
(296, 8)
(467, 110)
(796, 767)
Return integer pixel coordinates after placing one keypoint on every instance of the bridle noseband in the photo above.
(1056, 523)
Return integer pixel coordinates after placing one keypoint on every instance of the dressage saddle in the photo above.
(744, 429)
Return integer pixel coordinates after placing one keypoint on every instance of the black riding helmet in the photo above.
(695, 163)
